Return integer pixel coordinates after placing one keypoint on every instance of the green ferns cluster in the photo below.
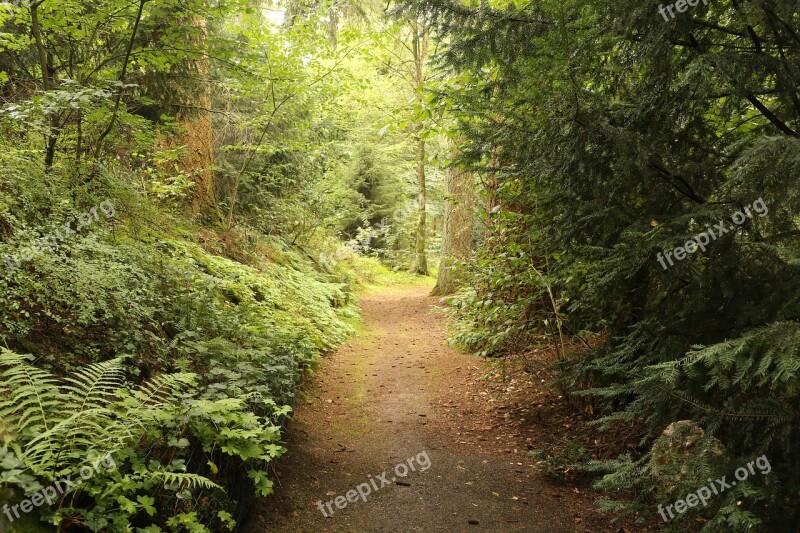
(223, 346)
(53, 429)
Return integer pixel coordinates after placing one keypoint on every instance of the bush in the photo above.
(122, 306)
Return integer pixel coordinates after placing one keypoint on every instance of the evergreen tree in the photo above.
(622, 136)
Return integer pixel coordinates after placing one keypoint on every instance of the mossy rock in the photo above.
(684, 456)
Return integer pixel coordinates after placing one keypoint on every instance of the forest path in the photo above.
(396, 392)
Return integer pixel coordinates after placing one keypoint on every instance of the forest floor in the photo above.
(397, 392)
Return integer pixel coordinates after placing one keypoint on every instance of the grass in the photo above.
(370, 275)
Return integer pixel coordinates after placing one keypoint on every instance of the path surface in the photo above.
(394, 391)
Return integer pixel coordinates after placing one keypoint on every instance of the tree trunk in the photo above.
(419, 48)
(36, 31)
(333, 25)
(421, 266)
(199, 140)
(457, 232)
(197, 135)
(51, 139)
(199, 160)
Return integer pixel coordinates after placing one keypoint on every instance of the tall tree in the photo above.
(457, 231)
(191, 95)
(419, 50)
(198, 136)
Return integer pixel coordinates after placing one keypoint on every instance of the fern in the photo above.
(27, 397)
(59, 429)
(94, 385)
(69, 441)
(56, 428)
(186, 480)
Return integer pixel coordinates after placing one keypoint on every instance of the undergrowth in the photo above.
(148, 298)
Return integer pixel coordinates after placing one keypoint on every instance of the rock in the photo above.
(680, 455)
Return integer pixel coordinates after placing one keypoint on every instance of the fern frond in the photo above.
(92, 387)
(71, 438)
(162, 390)
(28, 395)
(191, 481)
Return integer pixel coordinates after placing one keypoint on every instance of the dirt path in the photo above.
(396, 393)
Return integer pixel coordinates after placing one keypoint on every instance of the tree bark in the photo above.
(199, 160)
(197, 132)
(420, 51)
(36, 30)
(421, 266)
(199, 139)
(457, 231)
(44, 64)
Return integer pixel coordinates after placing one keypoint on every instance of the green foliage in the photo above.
(56, 431)
(508, 306)
(173, 336)
(619, 136)
(245, 332)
